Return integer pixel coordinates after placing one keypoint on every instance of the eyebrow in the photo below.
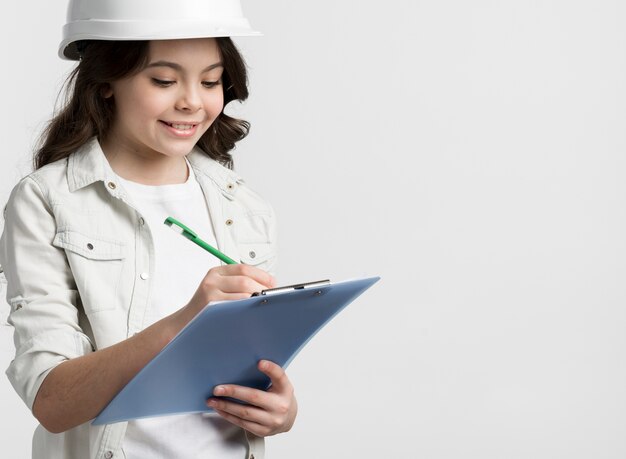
(179, 68)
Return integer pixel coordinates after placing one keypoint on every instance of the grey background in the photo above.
(470, 153)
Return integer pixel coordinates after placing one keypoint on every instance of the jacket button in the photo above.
(229, 222)
(144, 276)
(112, 186)
(108, 455)
(252, 254)
(141, 221)
(90, 246)
(230, 186)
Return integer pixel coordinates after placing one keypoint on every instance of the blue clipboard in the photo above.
(223, 344)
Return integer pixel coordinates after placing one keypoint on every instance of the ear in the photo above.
(106, 91)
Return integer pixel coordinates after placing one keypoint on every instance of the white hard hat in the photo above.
(150, 20)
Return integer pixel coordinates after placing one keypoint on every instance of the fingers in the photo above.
(281, 389)
(259, 430)
(280, 382)
(247, 413)
(239, 284)
(264, 412)
(254, 397)
(230, 282)
(260, 421)
(262, 277)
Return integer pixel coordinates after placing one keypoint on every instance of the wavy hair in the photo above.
(86, 113)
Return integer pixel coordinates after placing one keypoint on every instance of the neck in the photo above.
(146, 168)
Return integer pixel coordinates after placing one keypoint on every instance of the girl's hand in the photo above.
(231, 282)
(268, 413)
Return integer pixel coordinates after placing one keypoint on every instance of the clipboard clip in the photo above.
(287, 288)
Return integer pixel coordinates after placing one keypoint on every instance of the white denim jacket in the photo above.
(78, 258)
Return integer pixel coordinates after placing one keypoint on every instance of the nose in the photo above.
(189, 99)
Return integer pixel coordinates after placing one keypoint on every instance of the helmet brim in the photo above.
(77, 31)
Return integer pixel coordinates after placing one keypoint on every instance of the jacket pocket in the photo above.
(96, 265)
(93, 248)
(259, 254)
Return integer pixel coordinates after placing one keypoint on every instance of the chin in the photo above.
(177, 149)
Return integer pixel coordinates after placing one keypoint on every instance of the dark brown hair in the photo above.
(86, 113)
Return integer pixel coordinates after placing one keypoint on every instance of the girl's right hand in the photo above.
(230, 282)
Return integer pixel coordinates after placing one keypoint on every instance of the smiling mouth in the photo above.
(180, 126)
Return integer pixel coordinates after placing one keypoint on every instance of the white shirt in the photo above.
(179, 267)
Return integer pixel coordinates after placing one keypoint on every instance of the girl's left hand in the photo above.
(268, 413)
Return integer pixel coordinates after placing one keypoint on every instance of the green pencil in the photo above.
(193, 237)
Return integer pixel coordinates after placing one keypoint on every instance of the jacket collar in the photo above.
(88, 164)
(223, 177)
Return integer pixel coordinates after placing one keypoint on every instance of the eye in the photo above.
(162, 83)
(210, 84)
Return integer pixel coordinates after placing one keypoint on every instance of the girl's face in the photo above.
(169, 105)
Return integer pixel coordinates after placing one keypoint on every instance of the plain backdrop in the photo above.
(470, 153)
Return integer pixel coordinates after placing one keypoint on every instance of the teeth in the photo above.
(182, 127)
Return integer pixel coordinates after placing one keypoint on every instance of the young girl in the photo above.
(97, 284)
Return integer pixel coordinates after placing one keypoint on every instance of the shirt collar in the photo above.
(88, 164)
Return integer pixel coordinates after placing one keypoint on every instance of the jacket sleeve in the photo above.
(41, 291)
